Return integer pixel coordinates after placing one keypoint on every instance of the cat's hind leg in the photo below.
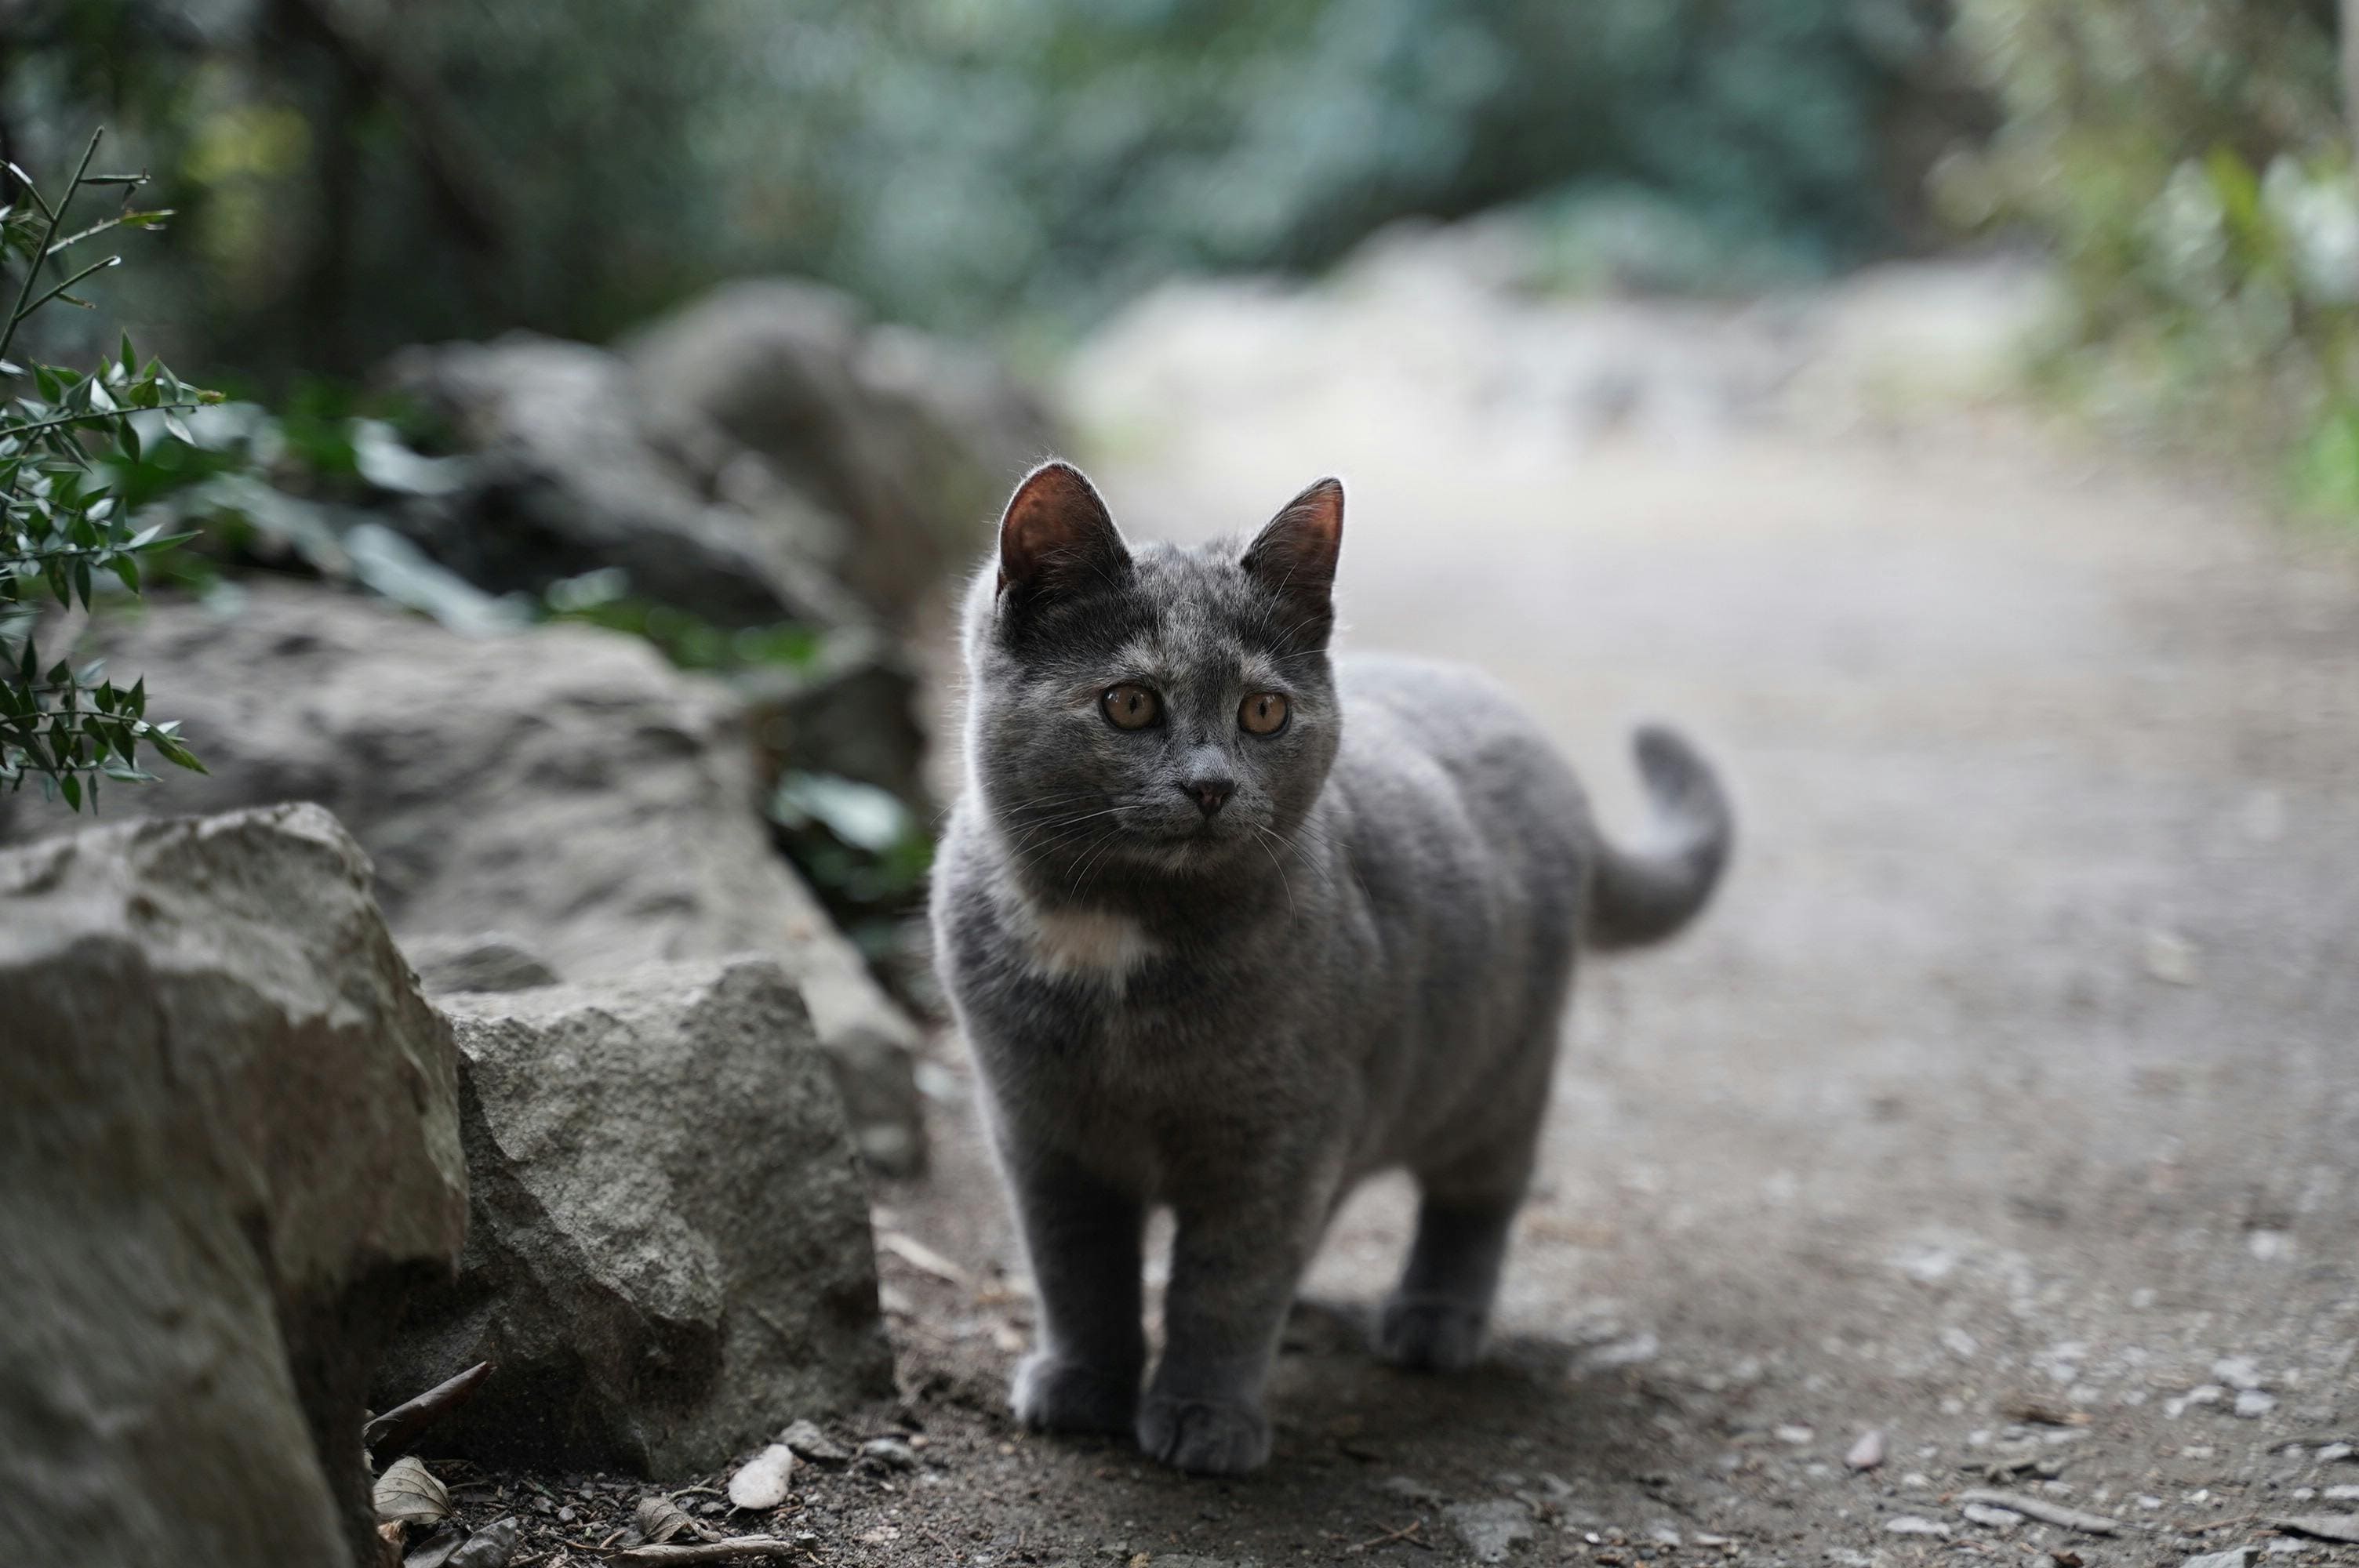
(1083, 1240)
(1436, 1317)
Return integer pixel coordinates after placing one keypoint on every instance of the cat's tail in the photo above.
(1638, 896)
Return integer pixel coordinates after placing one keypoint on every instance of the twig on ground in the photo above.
(1405, 1533)
(399, 1426)
(2043, 1510)
(738, 1549)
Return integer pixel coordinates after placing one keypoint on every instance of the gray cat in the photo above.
(1218, 950)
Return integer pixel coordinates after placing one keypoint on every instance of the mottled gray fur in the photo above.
(1234, 974)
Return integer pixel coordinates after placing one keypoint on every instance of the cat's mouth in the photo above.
(1193, 830)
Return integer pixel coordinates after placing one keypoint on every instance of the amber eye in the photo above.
(1129, 707)
(1264, 713)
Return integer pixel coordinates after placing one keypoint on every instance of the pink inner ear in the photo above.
(1297, 552)
(1055, 518)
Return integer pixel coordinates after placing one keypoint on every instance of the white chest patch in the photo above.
(1086, 944)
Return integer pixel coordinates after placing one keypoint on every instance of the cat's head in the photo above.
(1151, 711)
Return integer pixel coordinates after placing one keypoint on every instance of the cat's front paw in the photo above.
(1210, 1437)
(1430, 1334)
(1057, 1395)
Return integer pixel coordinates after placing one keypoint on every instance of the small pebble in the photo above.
(2236, 1371)
(2333, 1452)
(1795, 1435)
(889, 1452)
(2237, 1558)
(760, 1484)
(810, 1442)
(1867, 1452)
(1909, 1524)
(1410, 1490)
(2252, 1404)
(2342, 1494)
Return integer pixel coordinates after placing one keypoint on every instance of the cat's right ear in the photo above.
(1057, 533)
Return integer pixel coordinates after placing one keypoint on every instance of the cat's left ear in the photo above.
(1294, 554)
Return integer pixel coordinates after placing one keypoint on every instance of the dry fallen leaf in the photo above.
(437, 1549)
(660, 1519)
(490, 1547)
(409, 1493)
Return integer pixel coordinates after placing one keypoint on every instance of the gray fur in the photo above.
(1359, 963)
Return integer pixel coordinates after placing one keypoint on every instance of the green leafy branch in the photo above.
(64, 528)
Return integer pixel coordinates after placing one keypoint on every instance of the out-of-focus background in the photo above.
(1945, 410)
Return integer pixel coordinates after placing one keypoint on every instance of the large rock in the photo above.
(911, 442)
(669, 1254)
(228, 1151)
(564, 482)
(564, 787)
(750, 458)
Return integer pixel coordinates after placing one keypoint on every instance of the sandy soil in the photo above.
(2007, 1105)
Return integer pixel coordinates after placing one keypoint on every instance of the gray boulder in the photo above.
(910, 441)
(564, 481)
(229, 1151)
(564, 786)
(670, 1251)
(487, 961)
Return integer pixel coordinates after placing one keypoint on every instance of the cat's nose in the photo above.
(1210, 795)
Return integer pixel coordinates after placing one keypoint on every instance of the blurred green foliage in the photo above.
(2192, 160)
(603, 598)
(358, 178)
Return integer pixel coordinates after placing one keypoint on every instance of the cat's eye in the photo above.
(1263, 713)
(1130, 707)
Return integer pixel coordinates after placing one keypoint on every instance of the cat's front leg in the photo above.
(1235, 1259)
(1082, 1237)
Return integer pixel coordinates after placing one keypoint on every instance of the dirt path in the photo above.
(2016, 1075)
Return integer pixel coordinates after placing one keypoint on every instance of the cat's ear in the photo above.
(1294, 554)
(1056, 531)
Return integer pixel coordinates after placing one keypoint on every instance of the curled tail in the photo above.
(1643, 895)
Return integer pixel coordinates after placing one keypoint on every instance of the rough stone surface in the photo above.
(912, 442)
(229, 1149)
(563, 785)
(1491, 1530)
(668, 1251)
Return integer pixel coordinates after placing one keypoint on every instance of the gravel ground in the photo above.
(2005, 1107)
